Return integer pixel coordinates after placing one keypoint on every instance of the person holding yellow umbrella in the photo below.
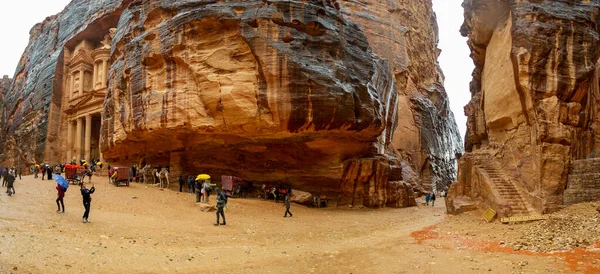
(205, 187)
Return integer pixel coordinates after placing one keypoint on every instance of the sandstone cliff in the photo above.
(325, 96)
(534, 105)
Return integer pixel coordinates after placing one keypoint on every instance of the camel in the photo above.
(163, 175)
(147, 170)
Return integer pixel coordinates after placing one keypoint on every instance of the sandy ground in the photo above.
(140, 229)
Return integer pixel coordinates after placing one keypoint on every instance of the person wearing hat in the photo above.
(221, 202)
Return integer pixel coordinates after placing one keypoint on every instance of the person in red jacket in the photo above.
(61, 195)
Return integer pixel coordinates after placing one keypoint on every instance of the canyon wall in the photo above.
(334, 97)
(534, 105)
(32, 107)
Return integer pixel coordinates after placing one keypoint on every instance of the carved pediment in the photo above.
(82, 57)
(88, 100)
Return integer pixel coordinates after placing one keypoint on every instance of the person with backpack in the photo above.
(221, 202)
(10, 180)
(87, 200)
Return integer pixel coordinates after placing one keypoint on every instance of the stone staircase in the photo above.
(583, 182)
(507, 190)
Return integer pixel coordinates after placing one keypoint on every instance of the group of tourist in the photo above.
(202, 188)
(430, 197)
(9, 176)
(85, 194)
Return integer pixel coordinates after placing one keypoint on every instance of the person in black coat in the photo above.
(181, 182)
(87, 200)
(49, 172)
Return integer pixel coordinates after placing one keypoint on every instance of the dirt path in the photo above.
(140, 229)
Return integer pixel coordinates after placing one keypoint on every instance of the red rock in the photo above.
(532, 110)
(276, 92)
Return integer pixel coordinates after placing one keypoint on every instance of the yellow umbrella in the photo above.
(202, 177)
(98, 163)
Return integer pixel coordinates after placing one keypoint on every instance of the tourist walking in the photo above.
(190, 184)
(49, 172)
(4, 176)
(10, 180)
(43, 170)
(20, 173)
(199, 190)
(87, 200)
(60, 200)
(206, 190)
(35, 172)
(427, 198)
(89, 173)
(221, 202)
(287, 204)
(433, 199)
(181, 183)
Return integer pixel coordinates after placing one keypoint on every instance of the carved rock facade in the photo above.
(296, 93)
(534, 106)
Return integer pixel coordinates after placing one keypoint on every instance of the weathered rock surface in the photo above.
(534, 105)
(301, 197)
(295, 93)
(4, 86)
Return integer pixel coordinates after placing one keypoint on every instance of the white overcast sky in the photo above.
(18, 16)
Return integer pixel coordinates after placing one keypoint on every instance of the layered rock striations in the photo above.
(338, 98)
(32, 108)
(534, 101)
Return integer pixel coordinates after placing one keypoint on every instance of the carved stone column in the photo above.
(81, 82)
(72, 85)
(104, 76)
(95, 75)
(69, 140)
(88, 137)
(78, 139)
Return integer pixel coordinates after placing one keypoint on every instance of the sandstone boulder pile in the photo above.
(578, 226)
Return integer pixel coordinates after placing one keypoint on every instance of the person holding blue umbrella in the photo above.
(61, 187)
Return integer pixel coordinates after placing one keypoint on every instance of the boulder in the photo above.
(301, 197)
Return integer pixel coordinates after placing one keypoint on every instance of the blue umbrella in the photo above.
(60, 180)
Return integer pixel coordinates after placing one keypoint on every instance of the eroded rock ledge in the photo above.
(534, 106)
(339, 98)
